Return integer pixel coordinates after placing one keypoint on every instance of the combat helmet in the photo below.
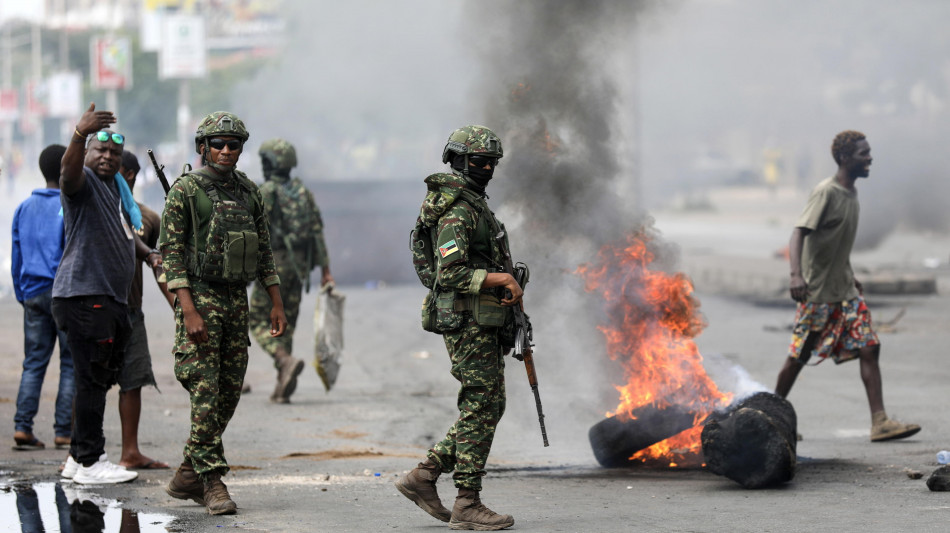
(280, 153)
(470, 140)
(220, 123)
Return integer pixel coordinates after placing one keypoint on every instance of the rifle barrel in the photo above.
(159, 172)
(537, 403)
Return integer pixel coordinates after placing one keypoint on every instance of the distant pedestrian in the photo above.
(37, 250)
(832, 319)
(296, 235)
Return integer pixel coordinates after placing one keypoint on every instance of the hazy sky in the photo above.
(372, 89)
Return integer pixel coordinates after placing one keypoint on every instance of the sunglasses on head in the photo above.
(104, 136)
(218, 143)
(481, 160)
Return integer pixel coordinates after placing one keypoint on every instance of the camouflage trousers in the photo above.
(479, 365)
(212, 372)
(291, 292)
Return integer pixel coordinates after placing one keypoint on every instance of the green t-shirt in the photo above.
(832, 216)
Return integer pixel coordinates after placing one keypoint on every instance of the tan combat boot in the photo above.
(419, 486)
(186, 485)
(216, 495)
(470, 513)
(288, 368)
(884, 428)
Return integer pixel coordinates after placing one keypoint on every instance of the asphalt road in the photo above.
(326, 462)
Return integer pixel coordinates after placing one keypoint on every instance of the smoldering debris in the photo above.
(753, 442)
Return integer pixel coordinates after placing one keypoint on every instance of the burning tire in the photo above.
(752, 442)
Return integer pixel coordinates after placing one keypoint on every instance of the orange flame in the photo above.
(653, 317)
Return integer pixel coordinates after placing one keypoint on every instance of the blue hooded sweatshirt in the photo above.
(37, 243)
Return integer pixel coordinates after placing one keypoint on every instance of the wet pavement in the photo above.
(68, 507)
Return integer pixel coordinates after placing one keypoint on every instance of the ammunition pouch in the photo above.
(487, 310)
(444, 312)
(439, 314)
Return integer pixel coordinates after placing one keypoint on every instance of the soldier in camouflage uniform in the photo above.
(296, 230)
(214, 240)
(469, 269)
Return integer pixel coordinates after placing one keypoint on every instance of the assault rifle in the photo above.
(524, 333)
(159, 171)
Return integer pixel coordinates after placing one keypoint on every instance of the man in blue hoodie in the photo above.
(37, 249)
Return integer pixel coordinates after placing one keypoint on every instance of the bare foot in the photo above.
(140, 462)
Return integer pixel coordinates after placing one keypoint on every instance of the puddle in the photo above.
(70, 508)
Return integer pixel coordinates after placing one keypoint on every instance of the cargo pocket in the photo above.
(105, 366)
(185, 351)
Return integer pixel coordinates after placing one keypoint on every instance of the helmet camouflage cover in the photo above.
(279, 152)
(220, 123)
(472, 140)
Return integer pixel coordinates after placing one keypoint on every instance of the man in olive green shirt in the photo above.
(832, 318)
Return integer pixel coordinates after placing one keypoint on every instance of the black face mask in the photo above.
(480, 175)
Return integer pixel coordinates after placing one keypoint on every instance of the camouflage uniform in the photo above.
(211, 372)
(297, 240)
(465, 254)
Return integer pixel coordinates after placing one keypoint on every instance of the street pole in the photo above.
(7, 84)
(184, 117)
(65, 125)
(37, 64)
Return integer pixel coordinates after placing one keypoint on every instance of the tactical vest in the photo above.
(444, 310)
(481, 247)
(227, 252)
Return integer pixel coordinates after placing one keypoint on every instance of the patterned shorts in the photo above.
(842, 329)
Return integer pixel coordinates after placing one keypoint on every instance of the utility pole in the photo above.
(6, 86)
(36, 44)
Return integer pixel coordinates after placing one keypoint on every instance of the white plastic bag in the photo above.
(328, 330)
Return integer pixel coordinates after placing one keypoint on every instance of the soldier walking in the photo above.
(296, 230)
(470, 277)
(214, 240)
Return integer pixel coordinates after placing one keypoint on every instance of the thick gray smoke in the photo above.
(554, 90)
(552, 85)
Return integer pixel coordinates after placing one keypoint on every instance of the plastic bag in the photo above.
(328, 330)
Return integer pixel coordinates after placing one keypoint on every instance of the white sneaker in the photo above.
(69, 469)
(103, 471)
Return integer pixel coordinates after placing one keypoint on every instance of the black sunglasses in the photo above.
(218, 143)
(481, 160)
(103, 136)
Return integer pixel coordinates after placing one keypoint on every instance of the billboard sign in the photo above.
(111, 62)
(64, 95)
(183, 53)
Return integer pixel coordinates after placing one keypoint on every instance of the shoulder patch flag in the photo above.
(448, 248)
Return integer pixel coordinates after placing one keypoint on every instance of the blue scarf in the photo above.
(128, 203)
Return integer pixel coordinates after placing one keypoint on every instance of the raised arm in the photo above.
(71, 177)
